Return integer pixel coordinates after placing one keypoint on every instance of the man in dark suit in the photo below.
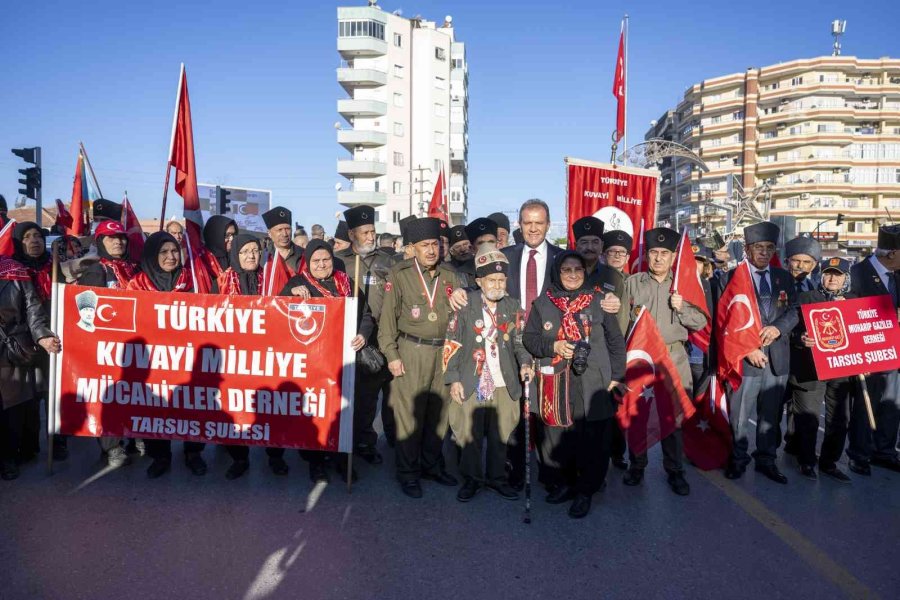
(766, 368)
(529, 276)
(876, 276)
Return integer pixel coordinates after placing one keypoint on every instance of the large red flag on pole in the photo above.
(276, 274)
(133, 230)
(618, 88)
(181, 157)
(655, 402)
(737, 326)
(437, 208)
(6, 238)
(63, 217)
(80, 197)
(686, 281)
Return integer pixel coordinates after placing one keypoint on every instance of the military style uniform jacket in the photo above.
(606, 279)
(463, 332)
(405, 308)
(373, 272)
(641, 289)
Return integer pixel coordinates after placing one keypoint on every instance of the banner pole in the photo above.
(350, 454)
(866, 400)
(162, 216)
(51, 399)
(527, 517)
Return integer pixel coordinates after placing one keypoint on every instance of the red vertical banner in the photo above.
(618, 88)
(623, 198)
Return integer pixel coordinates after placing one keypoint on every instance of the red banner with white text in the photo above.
(624, 198)
(252, 370)
(853, 336)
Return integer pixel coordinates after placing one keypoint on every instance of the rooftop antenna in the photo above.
(838, 27)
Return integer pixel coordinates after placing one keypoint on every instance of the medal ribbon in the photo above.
(431, 295)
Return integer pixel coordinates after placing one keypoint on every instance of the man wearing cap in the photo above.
(87, 309)
(480, 232)
(341, 239)
(461, 255)
(502, 222)
(413, 323)
(103, 209)
(484, 361)
(373, 265)
(616, 248)
(674, 318)
(766, 369)
(278, 222)
(877, 276)
(807, 390)
(588, 234)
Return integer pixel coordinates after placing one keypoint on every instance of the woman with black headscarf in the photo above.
(318, 278)
(808, 390)
(245, 278)
(218, 236)
(21, 312)
(581, 356)
(162, 271)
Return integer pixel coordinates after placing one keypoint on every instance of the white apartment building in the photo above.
(406, 116)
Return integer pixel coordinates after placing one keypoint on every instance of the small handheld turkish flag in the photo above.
(686, 281)
(707, 435)
(737, 326)
(275, 275)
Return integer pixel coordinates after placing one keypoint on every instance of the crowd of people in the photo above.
(464, 330)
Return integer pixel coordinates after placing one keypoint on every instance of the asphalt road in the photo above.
(87, 533)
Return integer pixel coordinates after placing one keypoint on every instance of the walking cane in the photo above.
(866, 400)
(527, 517)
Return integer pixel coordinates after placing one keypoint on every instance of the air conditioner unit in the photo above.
(804, 196)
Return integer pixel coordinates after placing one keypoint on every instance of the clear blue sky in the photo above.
(263, 87)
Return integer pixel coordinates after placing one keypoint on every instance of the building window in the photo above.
(440, 83)
(361, 28)
(738, 116)
(793, 202)
(437, 165)
(440, 53)
(456, 63)
(398, 188)
(398, 159)
(455, 196)
(396, 216)
(440, 110)
(398, 99)
(440, 138)
(398, 71)
(377, 186)
(398, 41)
(398, 129)
(797, 81)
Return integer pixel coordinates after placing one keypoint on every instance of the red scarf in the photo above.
(341, 282)
(230, 282)
(142, 282)
(11, 270)
(569, 309)
(42, 280)
(124, 271)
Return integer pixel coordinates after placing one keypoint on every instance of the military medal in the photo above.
(416, 312)
(479, 339)
(505, 337)
(432, 316)
(429, 294)
(548, 326)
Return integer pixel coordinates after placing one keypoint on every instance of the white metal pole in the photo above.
(625, 133)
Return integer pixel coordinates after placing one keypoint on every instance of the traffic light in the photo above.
(32, 180)
(840, 219)
(222, 200)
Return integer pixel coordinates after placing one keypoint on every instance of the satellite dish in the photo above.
(653, 123)
(448, 19)
(398, 12)
(337, 187)
(337, 124)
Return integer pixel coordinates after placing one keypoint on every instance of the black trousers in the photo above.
(313, 457)
(804, 402)
(163, 448)
(365, 408)
(673, 454)
(20, 430)
(576, 456)
(618, 445)
(388, 424)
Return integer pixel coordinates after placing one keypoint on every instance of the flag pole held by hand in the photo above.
(867, 401)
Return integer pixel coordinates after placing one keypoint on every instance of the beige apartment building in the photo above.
(824, 132)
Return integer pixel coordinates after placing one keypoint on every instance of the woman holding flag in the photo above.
(163, 271)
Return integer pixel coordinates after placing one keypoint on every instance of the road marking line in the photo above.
(805, 549)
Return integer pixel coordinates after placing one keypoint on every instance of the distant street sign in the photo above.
(824, 236)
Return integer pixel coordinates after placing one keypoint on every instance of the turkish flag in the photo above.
(707, 434)
(638, 258)
(115, 313)
(655, 402)
(624, 199)
(686, 281)
(737, 326)
(79, 186)
(618, 88)
(133, 230)
(775, 261)
(276, 274)
(63, 217)
(6, 238)
(181, 156)
(437, 208)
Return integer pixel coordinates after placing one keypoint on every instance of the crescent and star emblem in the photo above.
(100, 310)
(743, 299)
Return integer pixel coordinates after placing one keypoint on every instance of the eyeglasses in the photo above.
(571, 270)
(249, 253)
(617, 252)
(229, 236)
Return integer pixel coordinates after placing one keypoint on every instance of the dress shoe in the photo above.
(620, 463)
(442, 477)
(809, 472)
(835, 473)
(517, 484)
(580, 507)
(317, 473)
(504, 491)
(237, 468)
(561, 494)
(772, 472)
(791, 448)
(734, 472)
(369, 454)
(278, 466)
(860, 468)
(158, 467)
(678, 483)
(892, 464)
(195, 463)
(9, 470)
(468, 490)
(413, 489)
(633, 477)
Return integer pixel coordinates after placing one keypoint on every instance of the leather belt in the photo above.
(422, 341)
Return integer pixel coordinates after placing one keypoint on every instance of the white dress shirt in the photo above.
(540, 258)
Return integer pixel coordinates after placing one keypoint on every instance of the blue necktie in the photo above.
(892, 288)
(765, 293)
